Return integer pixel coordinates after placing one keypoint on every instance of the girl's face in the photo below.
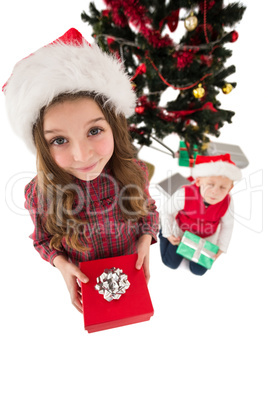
(215, 188)
(79, 138)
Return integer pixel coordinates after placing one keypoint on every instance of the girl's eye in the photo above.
(95, 131)
(58, 141)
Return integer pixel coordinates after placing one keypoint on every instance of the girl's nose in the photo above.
(82, 151)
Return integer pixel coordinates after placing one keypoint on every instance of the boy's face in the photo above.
(214, 189)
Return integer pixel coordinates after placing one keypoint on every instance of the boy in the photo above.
(203, 208)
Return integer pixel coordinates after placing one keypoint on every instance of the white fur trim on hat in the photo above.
(59, 68)
(218, 168)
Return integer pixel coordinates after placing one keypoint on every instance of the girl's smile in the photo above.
(87, 169)
(79, 137)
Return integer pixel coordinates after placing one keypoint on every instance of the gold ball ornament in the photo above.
(205, 146)
(227, 88)
(191, 22)
(191, 124)
(199, 92)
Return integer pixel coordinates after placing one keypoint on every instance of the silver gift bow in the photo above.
(198, 249)
(112, 284)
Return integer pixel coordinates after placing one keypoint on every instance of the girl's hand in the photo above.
(71, 274)
(143, 250)
(175, 241)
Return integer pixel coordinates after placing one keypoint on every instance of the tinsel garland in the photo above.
(137, 16)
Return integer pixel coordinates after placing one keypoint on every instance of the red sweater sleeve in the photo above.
(40, 237)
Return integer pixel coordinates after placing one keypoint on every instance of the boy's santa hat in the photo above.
(219, 165)
(67, 65)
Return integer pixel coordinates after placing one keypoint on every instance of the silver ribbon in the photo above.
(198, 247)
(112, 284)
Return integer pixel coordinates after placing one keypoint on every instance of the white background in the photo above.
(208, 338)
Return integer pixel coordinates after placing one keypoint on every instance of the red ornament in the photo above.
(173, 20)
(139, 109)
(234, 36)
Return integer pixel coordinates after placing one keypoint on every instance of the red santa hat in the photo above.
(219, 165)
(67, 65)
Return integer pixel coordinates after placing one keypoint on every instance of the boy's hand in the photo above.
(143, 250)
(218, 254)
(71, 274)
(174, 240)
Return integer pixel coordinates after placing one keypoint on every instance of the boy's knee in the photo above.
(169, 263)
(197, 269)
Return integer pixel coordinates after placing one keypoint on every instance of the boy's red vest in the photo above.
(198, 219)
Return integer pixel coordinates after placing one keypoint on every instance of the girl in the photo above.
(90, 197)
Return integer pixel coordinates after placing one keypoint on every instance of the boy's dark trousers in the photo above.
(172, 260)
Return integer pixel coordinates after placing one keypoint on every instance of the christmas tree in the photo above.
(141, 33)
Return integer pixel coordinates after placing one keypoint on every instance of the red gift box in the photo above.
(132, 307)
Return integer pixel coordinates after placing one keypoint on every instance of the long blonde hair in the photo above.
(52, 180)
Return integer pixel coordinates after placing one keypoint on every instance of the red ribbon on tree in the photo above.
(182, 113)
(170, 85)
(141, 69)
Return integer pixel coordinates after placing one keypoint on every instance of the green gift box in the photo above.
(196, 249)
(184, 159)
